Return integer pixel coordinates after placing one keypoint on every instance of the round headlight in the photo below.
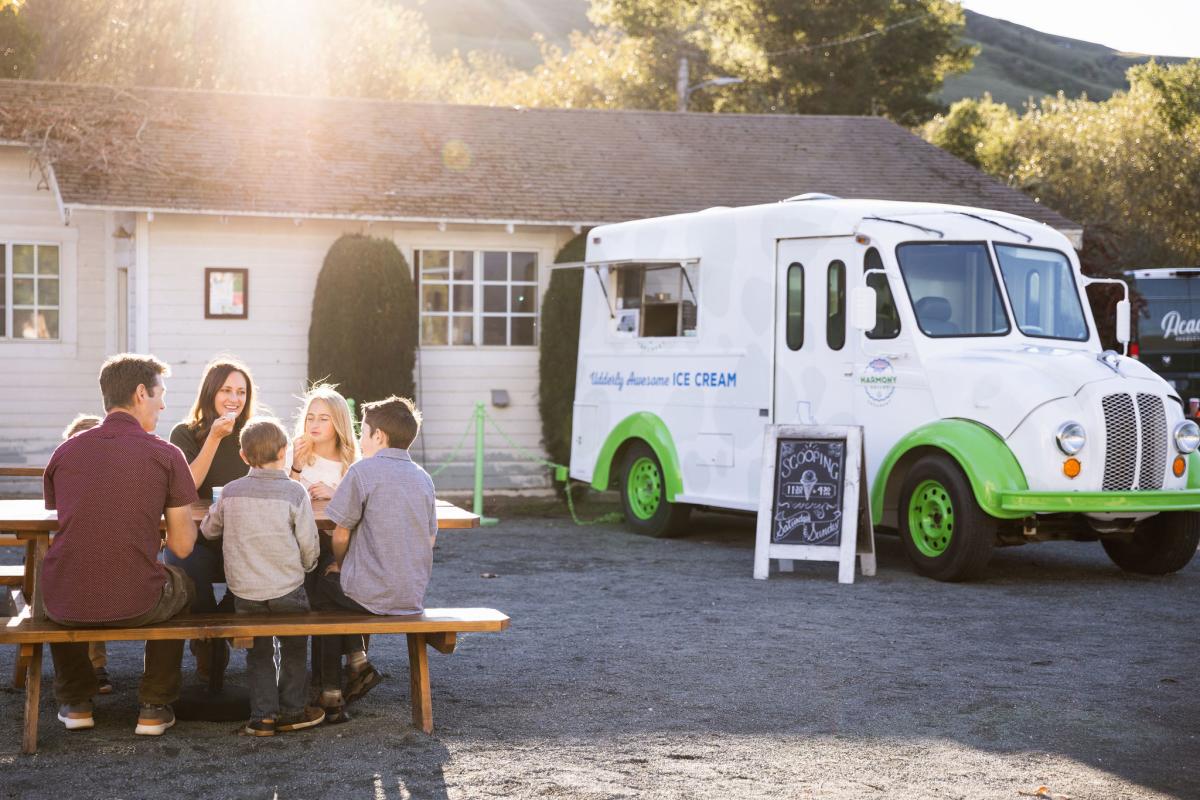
(1071, 438)
(1187, 436)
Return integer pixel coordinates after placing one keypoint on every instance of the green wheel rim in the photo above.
(644, 488)
(931, 518)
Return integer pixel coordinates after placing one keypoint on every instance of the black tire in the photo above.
(1160, 545)
(668, 519)
(964, 553)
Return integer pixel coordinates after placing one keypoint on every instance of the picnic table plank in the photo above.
(31, 516)
(25, 629)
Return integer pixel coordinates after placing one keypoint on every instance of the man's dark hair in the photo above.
(122, 374)
(261, 440)
(397, 417)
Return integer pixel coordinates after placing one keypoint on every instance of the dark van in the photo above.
(1167, 329)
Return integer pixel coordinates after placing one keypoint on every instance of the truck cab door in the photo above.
(814, 361)
(890, 394)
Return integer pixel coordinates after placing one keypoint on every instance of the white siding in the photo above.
(47, 384)
(284, 260)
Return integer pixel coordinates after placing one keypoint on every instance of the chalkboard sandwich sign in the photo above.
(813, 500)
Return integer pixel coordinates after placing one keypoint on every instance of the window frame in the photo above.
(1087, 329)
(831, 319)
(997, 281)
(687, 285)
(477, 284)
(66, 240)
(787, 307)
(886, 285)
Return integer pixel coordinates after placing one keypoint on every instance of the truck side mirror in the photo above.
(862, 308)
(1123, 321)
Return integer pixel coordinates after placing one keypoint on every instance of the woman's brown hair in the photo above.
(202, 415)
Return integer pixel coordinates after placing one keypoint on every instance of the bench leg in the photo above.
(21, 667)
(418, 680)
(33, 691)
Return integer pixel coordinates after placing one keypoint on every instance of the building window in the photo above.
(29, 293)
(657, 300)
(470, 297)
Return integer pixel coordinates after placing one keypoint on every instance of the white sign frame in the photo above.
(856, 540)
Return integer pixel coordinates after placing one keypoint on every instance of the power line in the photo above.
(849, 40)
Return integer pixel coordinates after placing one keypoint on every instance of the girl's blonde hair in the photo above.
(343, 426)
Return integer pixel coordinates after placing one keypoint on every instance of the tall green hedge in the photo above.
(363, 334)
(560, 351)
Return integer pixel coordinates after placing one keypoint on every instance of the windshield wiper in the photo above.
(1028, 238)
(909, 224)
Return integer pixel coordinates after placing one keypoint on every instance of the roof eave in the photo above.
(348, 217)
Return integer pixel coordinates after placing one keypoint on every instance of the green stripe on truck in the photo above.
(983, 456)
(653, 431)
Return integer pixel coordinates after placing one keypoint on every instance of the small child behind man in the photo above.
(270, 541)
(97, 651)
(387, 502)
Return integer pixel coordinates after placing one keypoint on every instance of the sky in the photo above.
(1157, 27)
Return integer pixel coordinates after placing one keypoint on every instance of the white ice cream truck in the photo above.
(960, 339)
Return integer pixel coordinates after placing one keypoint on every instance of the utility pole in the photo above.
(681, 84)
(683, 91)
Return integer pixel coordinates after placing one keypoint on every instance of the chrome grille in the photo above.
(1152, 420)
(1120, 454)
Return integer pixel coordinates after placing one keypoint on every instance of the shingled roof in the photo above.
(229, 153)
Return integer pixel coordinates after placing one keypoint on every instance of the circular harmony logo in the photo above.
(878, 379)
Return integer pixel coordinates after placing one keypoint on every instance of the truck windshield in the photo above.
(1041, 288)
(953, 289)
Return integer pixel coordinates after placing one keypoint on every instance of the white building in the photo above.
(114, 204)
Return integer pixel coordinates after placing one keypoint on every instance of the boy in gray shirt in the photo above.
(270, 541)
(387, 503)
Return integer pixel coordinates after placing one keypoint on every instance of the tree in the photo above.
(821, 57)
(1127, 168)
(363, 335)
(351, 48)
(559, 351)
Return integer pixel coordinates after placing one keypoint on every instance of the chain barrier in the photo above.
(560, 474)
(454, 452)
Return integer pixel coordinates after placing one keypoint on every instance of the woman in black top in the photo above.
(209, 441)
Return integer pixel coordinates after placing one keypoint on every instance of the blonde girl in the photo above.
(324, 446)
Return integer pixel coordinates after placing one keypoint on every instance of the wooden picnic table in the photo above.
(33, 523)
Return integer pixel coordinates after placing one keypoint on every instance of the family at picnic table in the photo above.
(112, 481)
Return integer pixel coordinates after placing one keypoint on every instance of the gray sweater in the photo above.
(270, 536)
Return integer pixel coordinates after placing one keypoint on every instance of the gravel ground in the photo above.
(658, 668)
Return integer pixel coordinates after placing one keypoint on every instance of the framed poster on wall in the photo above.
(226, 293)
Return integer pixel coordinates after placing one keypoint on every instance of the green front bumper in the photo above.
(1021, 503)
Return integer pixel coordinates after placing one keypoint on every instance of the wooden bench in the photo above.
(12, 575)
(437, 627)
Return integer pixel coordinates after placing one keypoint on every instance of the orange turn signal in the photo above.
(1072, 467)
(1179, 466)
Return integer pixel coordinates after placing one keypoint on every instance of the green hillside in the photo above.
(1014, 62)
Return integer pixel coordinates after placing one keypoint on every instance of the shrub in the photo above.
(560, 351)
(363, 334)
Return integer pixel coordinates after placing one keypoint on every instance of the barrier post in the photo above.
(477, 508)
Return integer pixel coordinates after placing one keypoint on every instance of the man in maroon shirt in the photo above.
(111, 485)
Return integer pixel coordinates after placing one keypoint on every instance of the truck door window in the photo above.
(1041, 288)
(953, 289)
(835, 296)
(657, 301)
(795, 306)
(887, 318)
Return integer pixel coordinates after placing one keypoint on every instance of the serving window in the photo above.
(656, 300)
